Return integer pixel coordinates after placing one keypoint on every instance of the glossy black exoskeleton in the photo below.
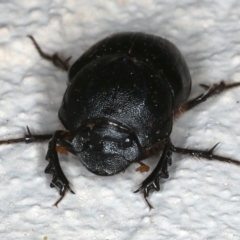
(120, 99)
(119, 106)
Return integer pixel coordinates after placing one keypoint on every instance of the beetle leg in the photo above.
(215, 89)
(160, 171)
(66, 144)
(59, 180)
(207, 154)
(142, 168)
(55, 59)
(28, 138)
(31, 138)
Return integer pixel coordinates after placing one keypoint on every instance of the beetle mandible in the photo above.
(119, 106)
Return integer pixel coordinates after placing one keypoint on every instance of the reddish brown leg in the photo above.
(55, 59)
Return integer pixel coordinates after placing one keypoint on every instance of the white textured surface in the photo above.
(200, 200)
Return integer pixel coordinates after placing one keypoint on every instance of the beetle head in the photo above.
(105, 148)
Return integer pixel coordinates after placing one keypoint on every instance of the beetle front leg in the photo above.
(59, 180)
(160, 171)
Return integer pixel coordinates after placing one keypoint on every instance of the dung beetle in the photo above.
(122, 96)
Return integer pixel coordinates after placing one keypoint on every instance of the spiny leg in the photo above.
(28, 138)
(59, 179)
(54, 58)
(160, 171)
(206, 154)
(215, 89)
(210, 91)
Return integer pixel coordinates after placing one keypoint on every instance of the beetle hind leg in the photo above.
(210, 91)
(160, 171)
(54, 58)
(59, 179)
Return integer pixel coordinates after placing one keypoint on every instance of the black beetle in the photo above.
(122, 96)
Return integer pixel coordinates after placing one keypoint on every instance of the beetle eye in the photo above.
(127, 142)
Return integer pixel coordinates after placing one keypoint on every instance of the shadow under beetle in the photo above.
(122, 96)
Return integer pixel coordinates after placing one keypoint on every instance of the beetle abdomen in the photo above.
(154, 50)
